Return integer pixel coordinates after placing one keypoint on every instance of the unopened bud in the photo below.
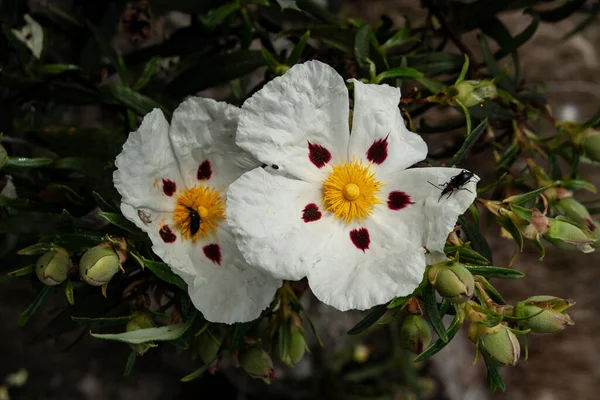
(296, 350)
(53, 267)
(139, 321)
(415, 334)
(544, 314)
(452, 281)
(471, 93)
(257, 363)
(576, 211)
(590, 144)
(98, 265)
(502, 346)
(566, 234)
(208, 347)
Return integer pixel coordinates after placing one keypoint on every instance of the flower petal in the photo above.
(378, 131)
(203, 137)
(298, 121)
(429, 219)
(272, 227)
(346, 277)
(232, 291)
(147, 172)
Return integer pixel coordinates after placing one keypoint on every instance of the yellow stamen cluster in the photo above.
(207, 203)
(350, 191)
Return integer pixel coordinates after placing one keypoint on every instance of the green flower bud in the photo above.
(502, 346)
(471, 93)
(296, 349)
(546, 314)
(53, 267)
(452, 281)
(590, 144)
(566, 234)
(257, 363)
(139, 321)
(415, 334)
(576, 211)
(208, 347)
(98, 265)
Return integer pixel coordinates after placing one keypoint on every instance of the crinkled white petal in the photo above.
(203, 131)
(347, 278)
(265, 213)
(309, 103)
(147, 158)
(430, 219)
(233, 291)
(377, 119)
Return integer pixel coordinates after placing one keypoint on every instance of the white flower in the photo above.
(32, 35)
(342, 209)
(172, 180)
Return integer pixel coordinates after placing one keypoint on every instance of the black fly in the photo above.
(456, 183)
(194, 221)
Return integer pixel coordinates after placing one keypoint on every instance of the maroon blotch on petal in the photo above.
(204, 171)
(169, 187)
(360, 238)
(166, 234)
(311, 213)
(318, 155)
(213, 253)
(397, 200)
(378, 151)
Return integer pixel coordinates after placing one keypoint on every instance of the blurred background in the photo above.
(562, 366)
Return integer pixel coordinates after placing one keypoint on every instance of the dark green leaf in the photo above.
(164, 273)
(27, 270)
(102, 322)
(432, 313)
(38, 248)
(587, 21)
(284, 339)
(23, 162)
(434, 63)
(399, 72)
(131, 99)
(519, 40)
(361, 45)
(477, 240)
(369, 320)
(69, 292)
(466, 255)
(489, 271)
(73, 242)
(103, 204)
(130, 363)
(3, 156)
(217, 16)
(147, 74)
(317, 11)
(197, 373)
(576, 184)
(109, 52)
(512, 229)
(520, 199)
(490, 290)
(469, 143)
(494, 377)
(34, 305)
(298, 49)
(561, 12)
(440, 344)
(120, 221)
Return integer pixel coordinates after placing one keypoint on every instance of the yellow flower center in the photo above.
(350, 191)
(198, 212)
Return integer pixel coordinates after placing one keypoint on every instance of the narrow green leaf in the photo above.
(288, 4)
(298, 49)
(488, 271)
(69, 292)
(512, 229)
(163, 333)
(3, 156)
(398, 302)
(440, 344)
(313, 329)
(197, 373)
(584, 23)
(218, 15)
(130, 363)
(477, 240)
(317, 11)
(271, 61)
(27, 270)
(283, 340)
(521, 212)
(561, 12)
(465, 111)
(463, 71)
(109, 52)
(432, 85)
(361, 45)
(432, 312)
(103, 204)
(466, 255)
(38, 248)
(488, 58)
(469, 143)
(164, 273)
(491, 290)
(399, 72)
(147, 74)
(494, 377)
(23, 162)
(102, 322)
(34, 305)
(120, 221)
(576, 184)
(131, 99)
(519, 40)
(520, 199)
(369, 320)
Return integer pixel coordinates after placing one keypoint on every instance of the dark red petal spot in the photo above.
(360, 238)
(318, 155)
(397, 200)
(204, 171)
(311, 213)
(590, 224)
(169, 187)
(213, 253)
(166, 234)
(378, 151)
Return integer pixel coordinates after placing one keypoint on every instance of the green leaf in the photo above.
(216, 16)
(109, 52)
(284, 338)
(147, 74)
(72, 242)
(491, 290)
(525, 197)
(512, 229)
(38, 248)
(494, 377)
(298, 49)
(131, 99)
(102, 322)
(398, 302)
(477, 240)
(488, 58)
(361, 45)
(469, 143)
(163, 333)
(432, 312)
(519, 40)
(69, 292)
(34, 305)
(432, 85)
(197, 373)
(463, 71)
(584, 23)
(317, 11)
(164, 273)
(466, 254)
(120, 221)
(23, 162)
(55, 69)
(488, 271)
(214, 70)
(269, 59)
(440, 344)
(521, 212)
(399, 72)
(27, 270)
(561, 12)
(130, 363)
(465, 111)
(432, 64)
(3, 156)
(288, 4)
(576, 184)
(103, 204)
(369, 320)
